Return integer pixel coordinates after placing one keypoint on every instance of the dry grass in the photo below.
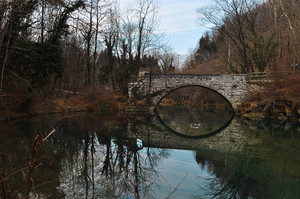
(95, 100)
(280, 99)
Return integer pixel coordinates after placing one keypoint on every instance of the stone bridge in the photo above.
(232, 87)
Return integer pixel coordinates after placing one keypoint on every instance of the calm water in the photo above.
(94, 156)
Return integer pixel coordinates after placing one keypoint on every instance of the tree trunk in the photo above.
(4, 64)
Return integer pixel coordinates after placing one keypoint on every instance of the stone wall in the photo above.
(233, 87)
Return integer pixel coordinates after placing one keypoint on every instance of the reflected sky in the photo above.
(189, 177)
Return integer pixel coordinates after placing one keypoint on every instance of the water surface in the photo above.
(93, 156)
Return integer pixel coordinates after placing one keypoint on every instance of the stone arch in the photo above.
(157, 99)
(232, 87)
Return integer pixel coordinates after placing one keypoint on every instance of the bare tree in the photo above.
(3, 29)
(242, 23)
(16, 24)
(290, 12)
(147, 22)
(277, 25)
(228, 17)
(137, 38)
(125, 53)
(167, 60)
(286, 22)
(110, 35)
(98, 20)
(3, 18)
(61, 23)
(88, 34)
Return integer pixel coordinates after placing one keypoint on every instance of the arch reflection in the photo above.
(199, 134)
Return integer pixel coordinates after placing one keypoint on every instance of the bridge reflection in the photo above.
(230, 138)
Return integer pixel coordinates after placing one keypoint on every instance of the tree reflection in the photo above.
(274, 128)
(92, 158)
(109, 164)
(230, 181)
(257, 173)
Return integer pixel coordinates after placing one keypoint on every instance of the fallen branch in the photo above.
(49, 135)
(176, 188)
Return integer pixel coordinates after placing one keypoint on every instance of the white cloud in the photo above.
(180, 15)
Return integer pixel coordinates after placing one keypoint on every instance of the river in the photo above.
(179, 153)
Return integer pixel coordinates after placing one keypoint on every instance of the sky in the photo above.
(179, 22)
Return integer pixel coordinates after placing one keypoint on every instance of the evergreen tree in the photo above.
(206, 49)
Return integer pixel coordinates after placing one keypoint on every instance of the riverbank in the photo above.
(93, 101)
(279, 99)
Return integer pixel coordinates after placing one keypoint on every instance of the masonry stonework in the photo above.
(233, 87)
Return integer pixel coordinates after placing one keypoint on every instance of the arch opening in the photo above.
(194, 111)
(168, 92)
